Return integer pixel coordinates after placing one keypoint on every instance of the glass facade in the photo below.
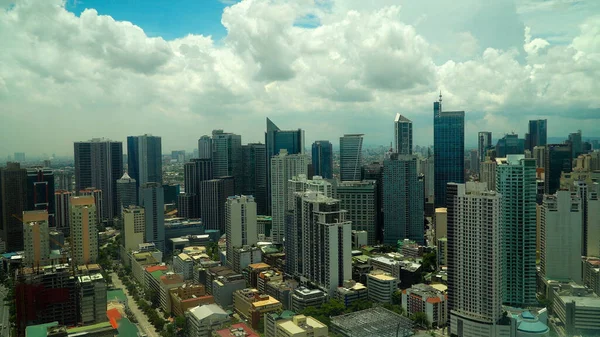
(558, 160)
(322, 159)
(537, 136)
(144, 159)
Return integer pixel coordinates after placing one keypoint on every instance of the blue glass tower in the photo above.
(322, 158)
(144, 159)
(448, 150)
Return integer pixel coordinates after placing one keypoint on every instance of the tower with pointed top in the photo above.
(403, 134)
(127, 194)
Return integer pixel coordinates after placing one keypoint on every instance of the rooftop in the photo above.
(90, 328)
(116, 294)
(205, 311)
(237, 330)
(374, 322)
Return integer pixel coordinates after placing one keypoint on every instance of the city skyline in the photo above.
(164, 88)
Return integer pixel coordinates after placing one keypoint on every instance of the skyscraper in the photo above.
(152, 199)
(484, 142)
(561, 228)
(539, 154)
(403, 200)
(359, 199)
(62, 211)
(322, 159)
(516, 182)
(374, 171)
(144, 159)
(403, 135)
(205, 148)
(538, 133)
(227, 157)
(474, 283)
(194, 173)
(99, 163)
(350, 157)
(36, 238)
(84, 232)
(213, 195)
(448, 149)
(255, 174)
(40, 191)
(592, 228)
(240, 225)
(576, 143)
(283, 168)
(13, 201)
(558, 160)
(127, 191)
(488, 174)
(134, 227)
(98, 199)
(510, 144)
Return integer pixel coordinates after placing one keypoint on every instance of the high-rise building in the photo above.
(99, 200)
(98, 164)
(255, 174)
(576, 143)
(426, 169)
(403, 135)
(539, 154)
(359, 199)
(227, 157)
(205, 148)
(144, 156)
(64, 179)
(62, 211)
(322, 159)
(374, 171)
(84, 232)
(403, 200)
(240, 226)
(488, 174)
(592, 228)
(36, 238)
(484, 143)
(275, 141)
(134, 227)
(194, 173)
(560, 244)
(516, 182)
(284, 166)
(448, 149)
(40, 191)
(510, 144)
(474, 161)
(474, 283)
(558, 159)
(213, 195)
(351, 157)
(127, 191)
(13, 201)
(152, 199)
(538, 134)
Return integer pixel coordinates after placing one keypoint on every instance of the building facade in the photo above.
(227, 157)
(484, 143)
(213, 194)
(127, 191)
(322, 158)
(144, 159)
(558, 160)
(403, 135)
(538, 133)
(36, 238)
(134, 227)
(240, 225)
(351, 157)
(84, 233)
(255, 174)
(152, 199)
(13, 201)
(359, 198)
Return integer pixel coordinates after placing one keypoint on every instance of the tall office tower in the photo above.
(359, 199)
(539, 154)
(20, 157)
(322, 159)
(538, 134)
(474, 283)
(84, 233)
(205, 147)
(426, 169)
(576, 143)
(127, 191)
(194, 173)
(13, 201)
(403, 134)
(275, 141)
(152, 199)
(474, 156)
(516, 182)
(284, 166)
(227, 157)
(99, 163)
(484, 143)
(213, 195)
(240, 225)
(62, 211)
(255, 179)
(448, 149)
(403, 200)
(36, 238)
(98, 198)
(63, 179)
(488, 174)
(374, 171)
(350, 157)
(560, 245)
(592, 229)
(510, 144)
(558, 160)
(134, 227)
(325, 245)
(144, 160)
(40, 191)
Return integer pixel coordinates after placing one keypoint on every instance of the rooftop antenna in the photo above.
(440, 96)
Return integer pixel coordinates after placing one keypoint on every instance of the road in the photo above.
(4, 313)
(143, 322)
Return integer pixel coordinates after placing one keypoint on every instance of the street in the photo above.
(4, 313)
(143, 322)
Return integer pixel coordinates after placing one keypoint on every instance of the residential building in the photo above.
(381, 286)
(265, 277)
(36, 238)
(592, 229)
(426, 299)
(40, 191)
(449, 149)
(374, 171)
(488, 174)
(84, 233)
(539, 154)
(98, 199)
(205, 147)
(183, 264)
(134, 227)
(13, 201)
(425, 168)
(98, 164)
(351, 157)
(303, 298)
(442, 252)
(403, 200)
(350, 292)
(322, 159)
(289, 324)
(359, 199)
(538, 134)
(167, 282)
(152, 199)
(127, 191)
(62, 210)
(253, 306)
(558, 160)
(403, 135)
(144, 159)
(188, 296)
(359, 239)
(240, 226)
(255, 174)
(516, 183)
(440, 223)
(203, 320)
(484, 143)
(227, 157)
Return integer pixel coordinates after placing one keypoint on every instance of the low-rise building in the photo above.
(236, 330)
(303, 298)
(168, 282)
(183, 264)
(381, 286)
(373, 322)
(426, 299)
(146, 255)
(576, 310)
(151, 282)
(224, 287)
(288, 324)
(213, 273)
(267, 276)
(205, 319)
(188, 296)
(350, 292)
(252, 306)
(245, 256)
(92, 295)
(591, 274)
(282, 290)
(252, 271)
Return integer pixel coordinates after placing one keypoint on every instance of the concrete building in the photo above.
(350, 292)
(484, 143)
(188, 296)
(474, 284)
(255, 174)
(288, 324)
(183, 264)
(40, 191)
(442, 252)
(253, 306)
(560, 244)
(381, 286)
(303, 298)
(227, 157)
(92, 295)
(403, 135)
(426, 299)
(203, 320)
(36, 239)
(213, 195)
(440, 223)
(539, 154)
(84, 233)
(62, 211)
(167, 282)
(13, 201)
(576, 310)
(223, 288)
(99, 200)
(488, 174)
(240, 227)
(205, 147)
(516, 183)
(134, 227)
(195, 172)
(359, 199)
(152, 199)
(425, 168)
(351, 157)
(127, 191)
(359, 239)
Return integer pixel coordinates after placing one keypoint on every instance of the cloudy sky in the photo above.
(74, 70)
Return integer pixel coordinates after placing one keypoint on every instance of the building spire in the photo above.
(440, 96)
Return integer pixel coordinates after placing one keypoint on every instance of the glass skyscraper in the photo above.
(351, 157)
(322, 158)
(403, 134)
(144, 159)
(557, 160)
(448, 150)
(484, 142)
(538, 134)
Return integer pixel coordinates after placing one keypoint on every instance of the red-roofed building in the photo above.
(236, 330)
(114, 316)
(167, 282)
(426, 299)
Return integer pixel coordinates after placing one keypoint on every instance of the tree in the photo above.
(420, 319)
(397, 297)
(360, 305)
(429, 261)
